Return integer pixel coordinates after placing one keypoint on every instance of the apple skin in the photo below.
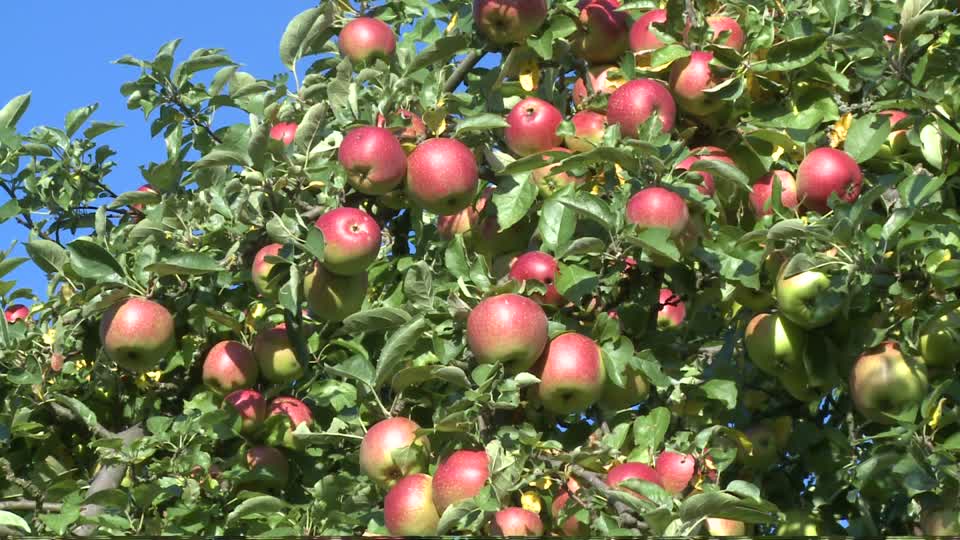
(542, 267)
(631, 470)
(807, 299)
(603, 39)
(284, 132)
(774, 344)
(676, 471)
(707, 185)
(672, 311)
(460, 477)
(572, 374)
(333, 298)
(275, 355)
(460, 223)
(897, 139)
(825, 171)
(229, 366)
(762, 191)
(366, 38)
(251, 407)
(16, 313)
(137, 334)
(374, 159)
(641, 38)
(570, 527)
(508, 21)
(515, 521)
(442, 176)
(940, 341)
(657, 207)
(719, 24)
(689, 77)
(508, 329)
(261, 268)
(600, 80)
(549, 182)
(799, 524)
(532, 128)
(297, 412)
(272, 461)
(884, 382)
(588, 129)
(633, 103)
(408, 508)
(351, 240)
(615, 398)
(725, 527)
(378, 445)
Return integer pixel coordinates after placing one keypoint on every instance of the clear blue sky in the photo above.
(62, 52)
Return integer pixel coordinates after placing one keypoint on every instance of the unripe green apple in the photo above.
(885, 382)
(774, 344)
(331, 297)
(808, 299)
(616, 398)
(796, 382)
(275, 355)
(764, 450)
(940, 341)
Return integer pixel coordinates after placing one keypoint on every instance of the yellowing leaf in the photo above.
(452, 24)
(531, 502)
(529, 74)
(937, 414)
(838, 133)
(777, 152)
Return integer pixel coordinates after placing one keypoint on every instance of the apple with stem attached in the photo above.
(351, 240)
(374, 160)
(366, 38)
(379, 444)
(136, 333)
(507, 329)
(508, 21)
(826, 171)
(634, 102)
(572, 374)
(408, 508)
(460, 477)
(442, 176)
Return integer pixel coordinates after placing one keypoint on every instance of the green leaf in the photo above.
(7, 265)
(649, 431)
(9, 209)
(315, 244)
(254, 506)
(591, 207)
(418, 284)
(220, 157)
(575, 282)
(375, 320)
(135, 197)
(99, 128)
(721, 170)
(557, 224)
(794, 54)
(9, 519)
(668, 54)
(397, 346)
(303, 33)
(720, 390)
(79, 408)
(308, 128)
(513, 200)
(47, 254)
(91, 261)
(657, 241)
(866, 135)
(415, 375)
(727, 506)
(77, 118)
(481, 122)
(439, 51)
(11, 112)
(185, 264)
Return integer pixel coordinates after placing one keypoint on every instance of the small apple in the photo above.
(549, 182)
(542, 267)
(408, 508)
(689, 77)
(658, 208)
(508, 329)
(514, 521)
(271, 464)
(442, 176)
(379, 444)
(261, 268)
(808, 299)
(633, 103)
(885, 383)
(375, 162)
(460, 477)
(940, 341)
(588, 128)
(672, 310)
(229, 366)
(774, 344)
(284, 132)
(16, 313)
(675, 470)
(136, 333)
(826, 171)
(604, 30)
(642, 39)
(275, 355)
(897, 139)
(572, 374)
(297, 413)
(532, 128)
(762, 191)
(413, 129)
(251, 407)
(331, 297)
(351, 240)
(366, 38)
(509, 21)
(603, 80)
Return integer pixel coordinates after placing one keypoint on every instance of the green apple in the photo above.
(774, 344)
(940, 341)
(617, 398)
(799, 523)
(809, 299)
(885, 383)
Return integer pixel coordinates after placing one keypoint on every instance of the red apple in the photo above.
(641, 37)
(719, 24)
(588, 127)
(442, 176)
(633, 103)
(408, 508)
(460, 223)
(284, 132)
(365, 38)
(229, 366)
(136, 333)
(508, 21)
(374, 160)
(603, 38)
(707, 186)
(689, 77)
(603, 80)
(16, 313)
(897, 139)
(549, 182)
(251, 407)
(539, 266)
(632, 470)
(508, 329)
(146, 188)
(672, 310)
(657, 207)
(533, 127)
(572, 374)
(825, 171)
(270, 462)
(762, 190)
(296, 411)
(460, 477)
(413, 129)
(261, 268)
(570, 527)
(514, 521)
(725, 527)
(351, 240)
(379, 444)
(676, 470)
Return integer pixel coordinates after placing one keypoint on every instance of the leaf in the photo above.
(185, 264)
(9, 209)
(557, 224)
(418, 284)
(396, 348)
(649, 431)
(414, 375)
(866, 136)
(8, 265)
(91, 261)
(315, 244)
(591, 207)
(308, 128)
(481, 122)
(99, 128)
(513, 202)
(440, 50)
(375, 320)
(82, 411)
(575, 282)
(77, 118)
(47, 254)
(135, 197)
(794, 54)
(300, 38)
(720, 390)
(721, 170)
(11, 112)
(727, 506)
(262, 504)
(220, 157)
(657, 241)
(9, 519)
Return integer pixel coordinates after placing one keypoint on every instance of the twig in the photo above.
(463, 68)
(625, 514)
(66, 414)
(108, 477)
(191, 115)
(28, 505)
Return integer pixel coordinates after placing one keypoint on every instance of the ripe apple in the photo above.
(508, 329)
(229, 366)
(641, 37)
(532, 128)
(284, 132)
(632, 470)
(725, 527)
(442, 176)
(271, 464)
(762, 191)
(572, 374)
(825, 171)
(603, 80)
(615, 398)
(460, 223)
(676, 470)
(588, 127)
(275, 355)
(633, 103)
(366, 38)
(603, 35)
(807, 299)
(16, 312)
(515, 521)
(542, 267)
(940, 341)
(261, 268)
(657, 207)
(883, 382)
(672, 310)
(689, 77)
(351, 240)
(774, 344)
(251, 407)
(374, 160)
(799, 524)
(378, 445)
(549, 182)
(571, 526)
(508, 21)
(707, 186)
(146, 188)
(296, 411)
(408, 508)
(897, 139)
(331, 297)
(136, 333)
(735, 38)
(460, 477)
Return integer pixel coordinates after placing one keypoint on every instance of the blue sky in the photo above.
(62, 53)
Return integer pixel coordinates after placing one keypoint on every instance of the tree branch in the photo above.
(66, 414)
(463, 68)
(28, 505)
(625, 514)
(108, 477)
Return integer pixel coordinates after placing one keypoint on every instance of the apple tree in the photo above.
(513, 267)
